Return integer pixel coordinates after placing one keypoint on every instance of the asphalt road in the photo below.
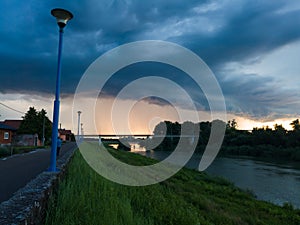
(18, 170)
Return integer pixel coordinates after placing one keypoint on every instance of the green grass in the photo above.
(188, 198)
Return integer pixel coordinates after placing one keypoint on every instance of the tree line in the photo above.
(36, 122)
(258, 142)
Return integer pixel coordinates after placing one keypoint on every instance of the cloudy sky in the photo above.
(252, 47)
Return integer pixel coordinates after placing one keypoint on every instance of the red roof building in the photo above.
(12, 123)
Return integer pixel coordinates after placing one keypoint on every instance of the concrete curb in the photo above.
(28, 206)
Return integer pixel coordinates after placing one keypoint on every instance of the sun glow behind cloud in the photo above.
(142, 118)
(248, 124)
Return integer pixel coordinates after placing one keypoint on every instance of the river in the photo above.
(274, 182)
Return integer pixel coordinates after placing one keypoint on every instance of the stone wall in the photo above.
(28, 206)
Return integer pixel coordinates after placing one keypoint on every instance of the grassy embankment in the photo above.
(188, 198)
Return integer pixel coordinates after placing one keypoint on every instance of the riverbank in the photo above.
(189, 197)
(266, 179)
(263, 152)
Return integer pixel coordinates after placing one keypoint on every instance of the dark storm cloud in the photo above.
(218, 31)
(145, 69)
(250, 30)
(29, 37)
(255, 97)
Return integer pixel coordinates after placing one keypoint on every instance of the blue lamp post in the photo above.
(62, 17)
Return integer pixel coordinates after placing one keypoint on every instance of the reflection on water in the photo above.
(277, 183)
(135, 147)
(115, 146)
(269, 182)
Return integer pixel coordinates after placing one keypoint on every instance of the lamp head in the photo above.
(62, 16)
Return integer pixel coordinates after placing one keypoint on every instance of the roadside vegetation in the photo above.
(188, 198)
(9, 150)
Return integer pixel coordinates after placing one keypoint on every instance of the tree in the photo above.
(29, 123)
(279, 135)
(205, 128)
(231, 132)
(33, 123)
(232, 125)
(296, 125)
(294, 136)
(160, 129)
(280, 129)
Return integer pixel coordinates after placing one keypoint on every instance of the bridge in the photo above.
(130, 139)
(113, 136)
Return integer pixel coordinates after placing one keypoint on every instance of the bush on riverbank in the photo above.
(263, 151)
(188, 198)
(258, 151)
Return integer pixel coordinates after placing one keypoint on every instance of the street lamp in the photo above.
(62, 17)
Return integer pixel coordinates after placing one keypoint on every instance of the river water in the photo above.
(274, 182)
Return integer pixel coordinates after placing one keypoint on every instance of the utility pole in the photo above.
(43, 140)
(78, 131)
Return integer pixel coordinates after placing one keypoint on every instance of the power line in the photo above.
(11, 108)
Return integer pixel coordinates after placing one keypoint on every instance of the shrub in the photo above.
(4, 151)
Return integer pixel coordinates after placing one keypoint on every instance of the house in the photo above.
(6, 134)
(9, 136)
(65, 135)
